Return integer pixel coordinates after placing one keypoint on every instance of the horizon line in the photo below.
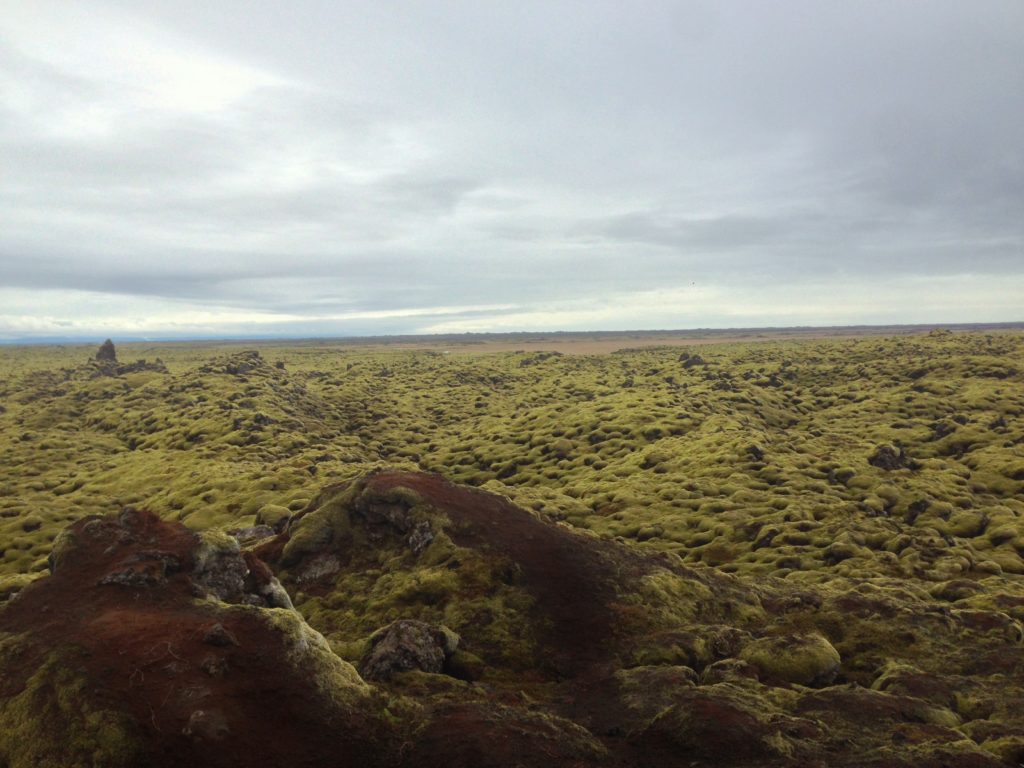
(399, 337)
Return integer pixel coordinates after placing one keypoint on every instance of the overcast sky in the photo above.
(196, 168)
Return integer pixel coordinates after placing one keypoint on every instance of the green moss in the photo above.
(1006, 748)
(64, 544)
(51, 724)
(312, 533)
(631, 445)
(213, 544)
(807, 659)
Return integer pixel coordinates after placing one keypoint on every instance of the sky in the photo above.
(191, 169)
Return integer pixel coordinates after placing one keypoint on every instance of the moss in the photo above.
(212, 545)
(55, 701)
(383, 579)
(631, 445)
(11, 585)
(1009, 749)
(273, 515)
(312, 533)
(807, 659)
(63, 545)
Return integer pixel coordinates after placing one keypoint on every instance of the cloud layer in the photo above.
(320, 168)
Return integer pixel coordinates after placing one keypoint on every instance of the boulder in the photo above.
(889, 458)
(804, 659)
(405, 645)
(222, 571)
(273, 516)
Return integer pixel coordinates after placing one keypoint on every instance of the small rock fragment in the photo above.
(252, 534)
(214, 667)
(319, 567)
(220, 637)
(421, 537)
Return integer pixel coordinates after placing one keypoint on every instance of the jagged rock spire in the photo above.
(106, 352)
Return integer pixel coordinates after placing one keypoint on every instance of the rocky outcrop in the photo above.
(106, 353)
(105, 363)
(226, 573)
(112, 660)
(891, 458)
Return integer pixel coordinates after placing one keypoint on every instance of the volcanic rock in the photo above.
(224, 572)
(407, 644)
(801, 659)
(890, 458)
(274, 516)
(693, 360)
(111, 661)
(106, 353)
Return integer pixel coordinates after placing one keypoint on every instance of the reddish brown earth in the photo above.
(570, 575)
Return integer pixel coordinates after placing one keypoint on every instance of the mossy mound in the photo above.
(392, 545)
(50, 718)
(671, 657)
(799, 659)
(401, 545)
(113, 661)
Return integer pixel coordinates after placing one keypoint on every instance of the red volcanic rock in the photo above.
(119, 663)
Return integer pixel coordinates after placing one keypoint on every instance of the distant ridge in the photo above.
(796, 331)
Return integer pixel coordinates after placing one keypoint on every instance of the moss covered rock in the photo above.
(405, 645)
(273, 516)
(803, 659)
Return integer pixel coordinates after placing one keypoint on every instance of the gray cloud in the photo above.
(326, 158)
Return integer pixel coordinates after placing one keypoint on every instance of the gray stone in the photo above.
(252, 534)
(421, 537)
(406, 645)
